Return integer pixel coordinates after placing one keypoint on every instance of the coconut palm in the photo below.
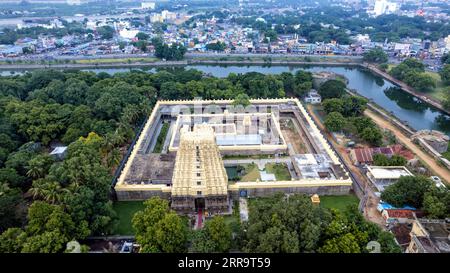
(50, 191)
(114, 158)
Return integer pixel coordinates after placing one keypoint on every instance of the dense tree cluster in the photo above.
(96, 115)
(216, 236)
(345, 113)
(412, 72)
(293, 224)
(159, 229)
(217, 46)
(419, 192)
(376, 55)
(332, 89)
(174, 52)
(106, 32)
(277, 224)
(383, 160)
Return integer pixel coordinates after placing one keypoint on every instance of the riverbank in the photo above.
(426, 158)
(420, 95)
(224, 60)
(409, 110)
(135, 62)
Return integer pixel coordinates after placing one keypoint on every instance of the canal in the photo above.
(408, 109)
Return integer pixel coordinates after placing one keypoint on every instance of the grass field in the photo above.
(125, 211)
(280, 170)
(161, 138)
(339, 202)
(438, 93)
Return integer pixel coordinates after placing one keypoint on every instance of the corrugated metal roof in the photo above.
(231, 140)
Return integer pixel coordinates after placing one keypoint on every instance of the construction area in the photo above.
(202, 154)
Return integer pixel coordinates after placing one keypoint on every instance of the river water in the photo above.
(408, 109)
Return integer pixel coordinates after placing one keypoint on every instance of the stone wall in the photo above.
(137, 195)
(320, 190)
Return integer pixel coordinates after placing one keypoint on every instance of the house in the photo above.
(313, 97)
(384, 176)
(402, 216)
(430, 236)
(361, 156)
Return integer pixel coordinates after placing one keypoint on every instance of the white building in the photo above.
(148, 5)
(75, 2)
(128, 34)
(313, 97)
(167, 15)
(156, 18)
(384, 7)
(447, 43)
(382, 177)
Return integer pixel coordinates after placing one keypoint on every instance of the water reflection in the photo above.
(405, 100)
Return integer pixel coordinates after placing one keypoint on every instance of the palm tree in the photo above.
(50, 191)
(118, 138)
(37, 190)
(114, 158)
(35, 170)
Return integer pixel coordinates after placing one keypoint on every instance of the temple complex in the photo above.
(201, 155)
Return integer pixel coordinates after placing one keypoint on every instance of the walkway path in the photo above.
(362, 186)
(199, 220)
(243, 209)
(441, 171)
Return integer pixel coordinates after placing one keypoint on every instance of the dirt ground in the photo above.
(439, 170)
(293, 137)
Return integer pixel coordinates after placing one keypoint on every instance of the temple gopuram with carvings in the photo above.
(202, 154)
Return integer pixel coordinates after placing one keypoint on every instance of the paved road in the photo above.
(441, 171)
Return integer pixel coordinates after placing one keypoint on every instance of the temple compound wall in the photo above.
(190, 171)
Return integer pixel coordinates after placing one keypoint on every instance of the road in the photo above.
(369, 201)
(439, 170)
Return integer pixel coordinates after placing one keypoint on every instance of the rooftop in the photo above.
(400, 213)
(391, 172)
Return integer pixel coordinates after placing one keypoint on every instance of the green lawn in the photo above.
(161, 138)
(339, 202)
(280, 170)
(125, 211)
(438, 93)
